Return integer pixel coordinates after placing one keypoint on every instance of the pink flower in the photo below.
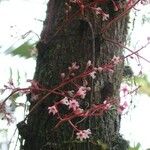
(122, 107)
(100, 69)
(107, 105)
(116, 60)
(124, 89)
(88, 132)
(89, 63)
(105, 16)
(73, 104)
(97, 10)
(78, 111)
(52, 110)
(83, 134)
(81, 92)
(74, 66)
(65, 101)
(92, 74)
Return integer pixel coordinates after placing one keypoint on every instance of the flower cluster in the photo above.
(99, 11)
(91, 6)
(5, 113)
(73, 99)
(73, 104)
(116, 60)
(52, 110)
(82, 91)
(122, 107)
(124, 90)
(83, 134)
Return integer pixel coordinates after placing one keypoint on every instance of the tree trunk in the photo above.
(76, 39)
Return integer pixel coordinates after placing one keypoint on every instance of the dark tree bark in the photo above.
(78, 40)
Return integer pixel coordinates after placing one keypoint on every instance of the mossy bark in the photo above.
(74, 43)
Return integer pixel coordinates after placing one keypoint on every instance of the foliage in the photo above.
(146, 18)
(138, 80)
(24, 50)
(144, 84)
(136, 147)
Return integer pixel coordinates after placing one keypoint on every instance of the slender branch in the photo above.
(123, 46)
(57, 87)
(103, 30)
(13, 92)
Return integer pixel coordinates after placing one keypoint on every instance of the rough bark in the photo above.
(74, 43)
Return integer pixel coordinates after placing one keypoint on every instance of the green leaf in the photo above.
(136, 147)
(146, 18)
(23, 50)
(144, 83)
(102, 145)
